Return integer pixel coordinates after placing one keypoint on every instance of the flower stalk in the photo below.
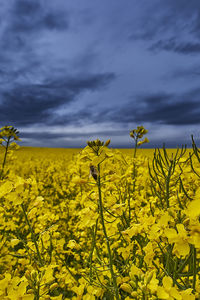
(8, 134)
(113, 276)
(96, 146)
(33, 237)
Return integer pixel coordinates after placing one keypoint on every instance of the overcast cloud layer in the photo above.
(77, 70)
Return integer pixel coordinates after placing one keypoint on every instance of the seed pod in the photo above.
(107, 143)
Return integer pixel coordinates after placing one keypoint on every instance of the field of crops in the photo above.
(98, 223)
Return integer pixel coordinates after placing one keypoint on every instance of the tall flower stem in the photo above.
(33, 237)
(113, 276)
(8, 134)
(194, 268)
(135, 148)
(5, 156)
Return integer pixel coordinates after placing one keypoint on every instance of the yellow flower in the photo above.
(48, 275)
(152, 282)
(180, 239)
(6, 188)
(187, 295)
(193, 209)
(148, 249)
(17, 291)
(4, 283)
(135, 271)
(167, 291)
(14, 242)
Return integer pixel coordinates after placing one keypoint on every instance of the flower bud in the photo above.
(132, 133)
(53, 286)
(30, 291)
(126, 287)
(134, 294)
(107, 143)
(27, 274)
(149, 277)
(34, 275)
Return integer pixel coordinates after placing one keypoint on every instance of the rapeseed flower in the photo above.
(180, 239)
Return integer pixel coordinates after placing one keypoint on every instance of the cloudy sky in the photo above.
(77, 70)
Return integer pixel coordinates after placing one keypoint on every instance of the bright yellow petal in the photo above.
(161, 293)
(181, 230)
(6, 188)
(28, 297)
(175, 294)
(193, 209)
(171, 234)
(167, 283)
(182, 248)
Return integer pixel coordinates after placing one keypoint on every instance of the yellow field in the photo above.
(96, 223)
(28, 152)
(148, 152)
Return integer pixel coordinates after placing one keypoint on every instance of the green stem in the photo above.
(194, 268)
(167, 265)
(135, 149)
(134, 178)
(134, 168)
(167, 184)
(113, 276)
(175, 269)
(37, 294)
(32, 235)
(94, 232)
(129, 207)
(5, 156)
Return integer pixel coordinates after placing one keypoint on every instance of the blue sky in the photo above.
(72, 71)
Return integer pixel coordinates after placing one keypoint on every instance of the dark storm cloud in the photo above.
(29, 16)
(57, 57)
(33, 85)
(173, 26)
(25, 20)
(179, 47)
(189, 73)
(36, 103)
(24, 23)
(53, 135)
(150, 28)
(167, 109)
(163, 108)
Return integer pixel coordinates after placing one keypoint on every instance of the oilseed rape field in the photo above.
(99, 223)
